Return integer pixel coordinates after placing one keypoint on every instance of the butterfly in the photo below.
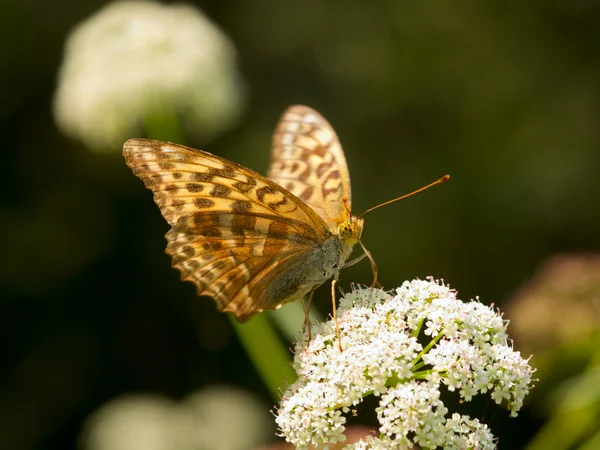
(248, 241)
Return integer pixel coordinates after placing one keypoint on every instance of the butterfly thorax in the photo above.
(350, 231)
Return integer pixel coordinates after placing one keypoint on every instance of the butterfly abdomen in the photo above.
(307, 273)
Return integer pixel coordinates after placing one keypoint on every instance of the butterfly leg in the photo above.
(366, 254)
(337, 326)
(306, 308)
(373, 265)
(354, 261)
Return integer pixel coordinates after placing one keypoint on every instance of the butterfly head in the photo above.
(350, 231)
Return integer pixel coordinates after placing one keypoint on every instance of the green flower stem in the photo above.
(417, 330)
(265, 348)
(427, 348)
(422, 375)
(417, 366)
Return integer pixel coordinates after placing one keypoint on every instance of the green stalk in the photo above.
(267, 352)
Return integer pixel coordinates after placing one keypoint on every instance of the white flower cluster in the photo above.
(134, 60)
(465, 348)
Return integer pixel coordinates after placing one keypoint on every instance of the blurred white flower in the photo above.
(217, 418)
(134, 62)
(132, 423)
(223, 418)
(461, 345)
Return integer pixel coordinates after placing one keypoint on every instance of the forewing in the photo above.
(308, 160)
(186, 181)
(234, 257)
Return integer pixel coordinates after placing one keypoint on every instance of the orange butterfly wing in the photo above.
(308, 160)
(239, 237)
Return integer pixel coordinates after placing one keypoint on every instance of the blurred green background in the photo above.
(505, 97)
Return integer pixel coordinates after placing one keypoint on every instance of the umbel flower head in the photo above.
(137, 59)
(466, 349)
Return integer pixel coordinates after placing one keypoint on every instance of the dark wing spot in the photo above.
(188, 250)
(225, 172)
(192, 264)
(321, 150)
(177, 175)
(334, 175)
(177, 259)
(245, 187)
(305, 173)
(241, 206)
(279, 230)
(166, 165)
(306, 193)
(220, 191)
(265, 190)
(194, 187)
(207, 276)
(211, 232)
(201, 176)
(243, 224)
(218, 264)
(213, 246)
(322, 169)
(232, 276)
(152, 181)
(203, 203)
(276, 205)
(326, 192)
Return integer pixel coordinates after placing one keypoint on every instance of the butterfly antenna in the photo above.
(439, 181)
(345, 202)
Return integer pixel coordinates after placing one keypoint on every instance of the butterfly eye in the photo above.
(344, 230)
